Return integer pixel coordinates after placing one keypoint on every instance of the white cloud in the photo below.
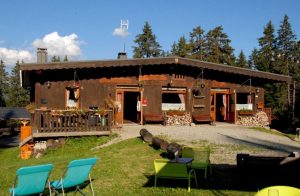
(56, 45)
(59, 45)
(121, 32)
(11, 56)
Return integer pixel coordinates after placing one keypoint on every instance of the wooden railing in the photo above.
(51, 121)
(268, 111)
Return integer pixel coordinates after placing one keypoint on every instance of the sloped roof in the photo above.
(7, 113)
(164, 61)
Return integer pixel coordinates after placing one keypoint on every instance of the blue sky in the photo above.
(83, 29)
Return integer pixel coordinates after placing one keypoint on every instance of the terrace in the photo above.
(66, 123)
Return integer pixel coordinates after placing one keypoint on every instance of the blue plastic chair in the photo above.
(31, 180)
(75, 176)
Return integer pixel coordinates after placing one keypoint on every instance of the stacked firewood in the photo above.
(158, 143)
(260, 119)
(182, 120)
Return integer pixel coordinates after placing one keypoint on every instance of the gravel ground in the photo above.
(225, 139)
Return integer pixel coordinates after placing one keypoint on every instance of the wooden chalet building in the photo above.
(142, 90)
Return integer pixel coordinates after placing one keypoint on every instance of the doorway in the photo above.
(131, 107)
(220, 105)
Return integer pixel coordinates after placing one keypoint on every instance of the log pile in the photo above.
(158, 143)
(164, 144)
(146, 135)
(172, 149)
(260, 119)
(182, 120)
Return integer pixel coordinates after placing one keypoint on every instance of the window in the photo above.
(244, 101)
(173, 101)
(72, 98)
(178, 76)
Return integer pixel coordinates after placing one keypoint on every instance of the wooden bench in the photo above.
(200, 118)
(153, 118)
(165, 168)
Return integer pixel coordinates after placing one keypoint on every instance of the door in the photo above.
(232, 102)
(129, 105)
(213, 106)
(219, 105)
(119, 111)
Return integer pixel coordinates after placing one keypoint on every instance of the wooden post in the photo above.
(293, 105)
(26, 149)
(141, 106)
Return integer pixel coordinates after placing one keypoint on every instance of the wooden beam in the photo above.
(27, 139)
(70, 134)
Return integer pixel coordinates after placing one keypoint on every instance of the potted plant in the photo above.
(31, 107)
(245, 112)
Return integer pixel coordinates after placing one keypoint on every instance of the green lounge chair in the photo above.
(75, 176)
(165, 168)
(278, 190)
(31, 180)
(200, 156)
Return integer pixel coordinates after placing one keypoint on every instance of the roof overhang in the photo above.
(165, 61)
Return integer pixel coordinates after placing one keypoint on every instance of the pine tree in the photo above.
(264, 59)
(147, 46)
(266, 54)
(286, 62)
(197, 43)
(55, 59)
(297, 60)
(166, 53)
(253, 59)
(297, 78)
(286, 44)
(66, 59)
(218, 47)
(275, 54)
(3, 84)
(242, 61)
(17, 96)
(182, 47)
(174, 49)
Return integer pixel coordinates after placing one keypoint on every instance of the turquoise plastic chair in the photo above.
(31, 180)
(75, 176)
(278, 191)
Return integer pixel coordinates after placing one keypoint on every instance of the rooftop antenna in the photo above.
(124, 27)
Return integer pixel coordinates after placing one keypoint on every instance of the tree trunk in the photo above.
(156, 142)
(164, 144)
(146, 135)
(172, 148)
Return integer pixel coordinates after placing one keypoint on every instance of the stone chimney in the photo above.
(122, 55)
(42, 55)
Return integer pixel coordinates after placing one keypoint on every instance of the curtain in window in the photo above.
(249, 99)
(225, 106)
(71, 98)
(181, 97)
(182, 100)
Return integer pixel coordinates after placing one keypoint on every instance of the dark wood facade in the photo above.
(154, 84)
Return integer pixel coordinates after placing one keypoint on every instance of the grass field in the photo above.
(124, 168)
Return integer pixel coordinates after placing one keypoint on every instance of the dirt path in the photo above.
(226, 139)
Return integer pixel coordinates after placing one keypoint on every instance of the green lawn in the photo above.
(125, 168)
(275, 132)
